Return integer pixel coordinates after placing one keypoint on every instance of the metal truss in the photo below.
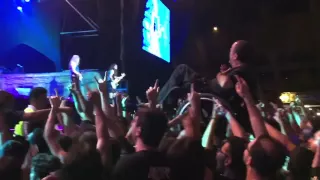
(93, 27)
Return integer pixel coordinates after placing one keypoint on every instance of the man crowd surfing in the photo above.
(242, 140)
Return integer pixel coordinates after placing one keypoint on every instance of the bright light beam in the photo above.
(19, 8)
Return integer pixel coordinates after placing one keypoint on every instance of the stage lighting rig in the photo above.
(25, 6)
(30, 1)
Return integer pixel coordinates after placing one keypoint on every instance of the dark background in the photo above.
(284, 32)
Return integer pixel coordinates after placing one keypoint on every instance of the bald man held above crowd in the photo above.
(241, 54)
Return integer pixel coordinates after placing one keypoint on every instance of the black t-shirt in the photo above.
(144, 165)
(315, 173)
(245, 72)
(233, 100)
(248, 74)
(188, 159)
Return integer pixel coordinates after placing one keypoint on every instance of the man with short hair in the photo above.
(38, 101)
(241, 54)
(42, 165)
(264, 157)
(229, 159)
(12, 155)
(148, 128)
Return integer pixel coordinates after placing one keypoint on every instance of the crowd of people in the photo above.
(110, 142)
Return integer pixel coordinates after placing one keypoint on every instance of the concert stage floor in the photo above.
(21, 84)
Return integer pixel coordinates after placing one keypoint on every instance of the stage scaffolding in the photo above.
(87, 19)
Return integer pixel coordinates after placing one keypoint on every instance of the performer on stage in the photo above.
(74, 68)
(114, 79)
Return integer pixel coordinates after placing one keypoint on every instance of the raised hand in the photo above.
(242, 87)
(193, 96)
(63, 103)
(194, 99)
(153, 92)
(55, 101)
(94, 97)
(102, 83)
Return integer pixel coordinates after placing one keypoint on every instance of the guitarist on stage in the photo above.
(114, 79)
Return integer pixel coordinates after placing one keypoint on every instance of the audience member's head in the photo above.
(148, 127)
(264, 156)
(230, 158)
(14, 150)
(241, 52)
(42, 165)
(12, 154)
(307, 135)
(38, 98)
(6, 100)
(83, 160)
(300, 163)
(65, 143)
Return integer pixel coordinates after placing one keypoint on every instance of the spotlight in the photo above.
(19, 8)
(215, 29)
(26, 1)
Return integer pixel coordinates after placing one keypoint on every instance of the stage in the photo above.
(21, 84)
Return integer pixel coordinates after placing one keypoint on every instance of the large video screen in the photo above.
(156, 29)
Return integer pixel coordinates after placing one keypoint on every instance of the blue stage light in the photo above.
(20, 8)
(26, 1)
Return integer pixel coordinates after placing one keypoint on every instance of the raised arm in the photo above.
(101, 126)
(50, 135)
(68, 124)
(81, 103)
(208, 136)
(191, 123)
(107, 109)
(152, 95)
(256, 120)
(236, 128)
(104, 94)
(40, 115)
(283, 139)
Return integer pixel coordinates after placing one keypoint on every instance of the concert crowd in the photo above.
(243, 138)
